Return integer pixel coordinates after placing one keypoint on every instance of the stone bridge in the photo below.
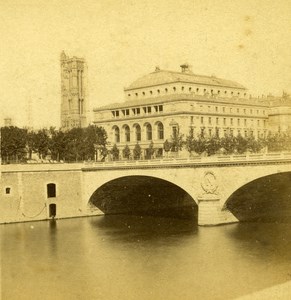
(215, 190)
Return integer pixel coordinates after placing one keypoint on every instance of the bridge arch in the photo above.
(267, 198)
(144, 195)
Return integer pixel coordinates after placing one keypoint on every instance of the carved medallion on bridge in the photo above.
(209, 183)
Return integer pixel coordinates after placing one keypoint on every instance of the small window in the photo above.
(7, 191)
(197, 90)
(182, 88)
(51, 190)
(166, 90)
(190, 89)
(174, 88)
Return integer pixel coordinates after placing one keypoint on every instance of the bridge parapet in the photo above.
(195, 160)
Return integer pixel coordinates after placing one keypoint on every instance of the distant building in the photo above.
(73, 92)
(8, 122)
(164, 103)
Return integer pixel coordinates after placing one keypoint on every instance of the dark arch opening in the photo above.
(266, 199)
(144, 195)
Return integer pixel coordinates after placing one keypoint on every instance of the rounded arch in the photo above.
(267, 198)
(160, 130)
(143, 195)
(149, 131)
(126, 133)
(137, 132)
(116, 133)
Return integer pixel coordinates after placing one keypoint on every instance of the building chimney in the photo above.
(185, 68)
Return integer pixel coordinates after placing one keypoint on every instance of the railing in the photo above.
(195, 159)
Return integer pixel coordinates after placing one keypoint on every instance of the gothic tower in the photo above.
(73, 92)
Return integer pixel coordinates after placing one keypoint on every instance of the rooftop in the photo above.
(160, 77)
(181, 97)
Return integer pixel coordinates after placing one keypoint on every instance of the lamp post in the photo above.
(96, 152)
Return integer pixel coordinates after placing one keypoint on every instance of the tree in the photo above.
(126, 152)
(212, 145)
(151, 150)
(167, 146)
(177, 141)
(115, 152)
(137, 151)
(190, 140)
(228, 143)
(13, 144)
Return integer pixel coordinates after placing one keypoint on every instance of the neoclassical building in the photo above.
(163, 103)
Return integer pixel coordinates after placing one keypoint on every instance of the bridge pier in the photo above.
(210, 212)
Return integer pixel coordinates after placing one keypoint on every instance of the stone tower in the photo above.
(73, 92)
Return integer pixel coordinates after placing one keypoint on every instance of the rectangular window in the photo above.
(149, 109)
(160, 108)
(231, 121)
(216, 108)
(134, 111)
(192, 119)
(217, 121)
(138, 111)
(237, 110)
(238, 122)
(127, 112)
(245, 122)
(117, 113)
(201, 120)
(209, 120)
(223, 109)
(258, 123)
(224, 121)
(113, 113)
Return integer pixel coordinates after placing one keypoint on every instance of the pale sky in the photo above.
(247, 41)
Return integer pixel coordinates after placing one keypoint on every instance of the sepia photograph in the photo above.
(145, 150)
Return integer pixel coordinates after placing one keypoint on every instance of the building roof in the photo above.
(181, 97)
(160, 77)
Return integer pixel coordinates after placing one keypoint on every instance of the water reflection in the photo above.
(134, 257)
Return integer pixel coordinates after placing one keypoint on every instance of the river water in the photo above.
(132, 257)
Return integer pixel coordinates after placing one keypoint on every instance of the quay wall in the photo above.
(24, 192)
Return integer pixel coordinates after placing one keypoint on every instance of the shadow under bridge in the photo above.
(144, 195)
(266, 199)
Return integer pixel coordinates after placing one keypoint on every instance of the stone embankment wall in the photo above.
(26, 196)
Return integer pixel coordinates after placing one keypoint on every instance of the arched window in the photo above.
(149, 132)
(116, 135)
(160, 128)
(51, 190)
(127, 133)
(137, 133)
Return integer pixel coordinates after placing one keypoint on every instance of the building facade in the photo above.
(73, 92)
(164, 103)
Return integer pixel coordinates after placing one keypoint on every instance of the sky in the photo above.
(247, 41)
